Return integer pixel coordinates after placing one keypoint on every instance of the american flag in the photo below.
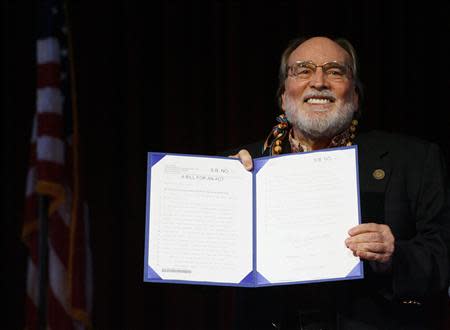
(54, 173)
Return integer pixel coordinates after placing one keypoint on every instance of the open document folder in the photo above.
(209, 221)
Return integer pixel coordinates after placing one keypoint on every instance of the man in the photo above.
(403, 205)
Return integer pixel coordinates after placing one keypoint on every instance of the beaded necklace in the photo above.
(283, 129)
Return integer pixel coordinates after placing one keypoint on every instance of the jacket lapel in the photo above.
(375, 171)
(374, 164)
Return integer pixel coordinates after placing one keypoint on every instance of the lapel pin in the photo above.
(378, 174)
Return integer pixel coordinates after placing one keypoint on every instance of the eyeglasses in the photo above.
(334, 71)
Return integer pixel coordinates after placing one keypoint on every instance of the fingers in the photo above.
(373, 236)
(371, 256)
(365, 227)
(369, 247)
(371, 241)
(245, 158)
(370, 232)
(379, 252)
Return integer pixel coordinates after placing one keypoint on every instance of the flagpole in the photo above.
(43, 262)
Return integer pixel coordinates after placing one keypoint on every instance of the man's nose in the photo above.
(318, 80)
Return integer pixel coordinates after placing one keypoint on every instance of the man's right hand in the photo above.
(245, 158)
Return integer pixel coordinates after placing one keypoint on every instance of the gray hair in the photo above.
(344, 43)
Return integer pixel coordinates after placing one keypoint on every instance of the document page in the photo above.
(306, 203)
(200, 219)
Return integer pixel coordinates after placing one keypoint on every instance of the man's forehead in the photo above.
(319, 50)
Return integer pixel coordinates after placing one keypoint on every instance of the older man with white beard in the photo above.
(319, 100)
(404, 206)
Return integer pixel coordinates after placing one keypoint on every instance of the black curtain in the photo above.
(194, 77)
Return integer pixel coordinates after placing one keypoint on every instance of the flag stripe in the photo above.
(57, 273)
(50, 149)
(59, 236)
(49, 99)
(49, 75)
(51, 126)
(48, 50)
(57, 316)
(31, 181)
(49, 171)
(77, 274)
(32, 278)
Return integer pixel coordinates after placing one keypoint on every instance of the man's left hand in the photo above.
(371, 241)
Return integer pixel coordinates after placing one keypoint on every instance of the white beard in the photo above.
(315, 124)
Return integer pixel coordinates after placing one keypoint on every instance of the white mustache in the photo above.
(324, 93)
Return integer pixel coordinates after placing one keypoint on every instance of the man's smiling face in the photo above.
(319, 100)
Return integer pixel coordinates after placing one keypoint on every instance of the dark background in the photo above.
(193, 77)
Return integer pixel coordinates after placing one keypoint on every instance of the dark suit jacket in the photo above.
(411, 199)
